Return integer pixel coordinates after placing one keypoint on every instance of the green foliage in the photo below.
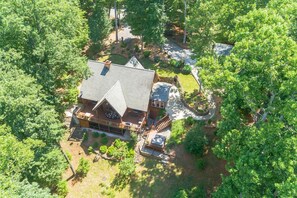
(15, 155)
(13, 187)
(103, 135)
(118, 143)
(95, 145)
(99, 24)
(48, 35)
(62, 189)
(23, 109)
(182, 194)
(187, 69)
(127, 167)
(258, 80)
(136, 48)
(146, 19)
(104, 140)
(201, 164)
(83, 167)
(111, 151)
(68, 154)
(90, 150)
(177, 132)
(189, 121)
(103, 149)
(85, 136)
(95, 135)
(196, 140)
(146, 53)
(48, 168)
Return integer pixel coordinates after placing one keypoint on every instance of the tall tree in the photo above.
(258, 127)
(99, 24)
(49, 35)
(147, 20)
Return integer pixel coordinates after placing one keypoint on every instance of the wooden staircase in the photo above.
(163, 123)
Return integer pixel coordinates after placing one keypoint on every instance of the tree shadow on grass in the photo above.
(159, 180)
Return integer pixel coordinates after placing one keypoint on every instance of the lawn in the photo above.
(152, 178)
(187, 81)
(114, 58)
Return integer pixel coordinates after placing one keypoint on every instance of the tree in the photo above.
(22, 105)
(127, 167)
(12, 187)
(47, 169)
(147, 20)
(196, 141)
(83, 167)
(213, 21)
(258, 85)
(49, 36)
(15, 155)
(99, 24)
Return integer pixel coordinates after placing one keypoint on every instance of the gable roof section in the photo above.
(115, 98)
(133, 62)
(136, 84)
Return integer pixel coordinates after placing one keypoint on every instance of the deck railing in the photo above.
(84, 116)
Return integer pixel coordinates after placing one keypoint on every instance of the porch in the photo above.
(132, 120)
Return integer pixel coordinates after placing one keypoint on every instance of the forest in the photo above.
(43, 60)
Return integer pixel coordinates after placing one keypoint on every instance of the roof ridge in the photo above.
(118, 65)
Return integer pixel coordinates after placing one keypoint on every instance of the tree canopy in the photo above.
(258, 85)
(147, 20)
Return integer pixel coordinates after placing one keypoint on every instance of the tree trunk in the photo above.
(116, 20)
(109, 9)
(141, 38)
(185, 16)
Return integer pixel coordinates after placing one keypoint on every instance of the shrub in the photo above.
(181, 194)
(90, 149)
(95, 145)
(103, 135)
(136, 48)
(130, 153)
(133, 140)
(95, 134)
(127, 167)
(123, 44)
(177, 132)
(173, 62)
(103, 149)
(62, 189)
(118, 143)
(83, 167)
(104, 140)
(111, 150)
(146, 54)
(198, 191)
(201, 164)
(69, 156)
(187, 69)
(189, 121)
(196, 140)
(85, 136)
(157, 59)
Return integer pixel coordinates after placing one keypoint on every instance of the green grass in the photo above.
(115, 58)
(187, 81)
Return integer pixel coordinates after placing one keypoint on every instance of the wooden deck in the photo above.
(132, 120)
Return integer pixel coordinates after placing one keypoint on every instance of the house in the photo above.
(116, 98)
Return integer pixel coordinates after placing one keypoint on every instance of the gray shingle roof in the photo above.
(133, 62)
(136, 84)
(115, 98)
(160, 91)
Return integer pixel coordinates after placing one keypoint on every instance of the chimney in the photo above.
(107, 64)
